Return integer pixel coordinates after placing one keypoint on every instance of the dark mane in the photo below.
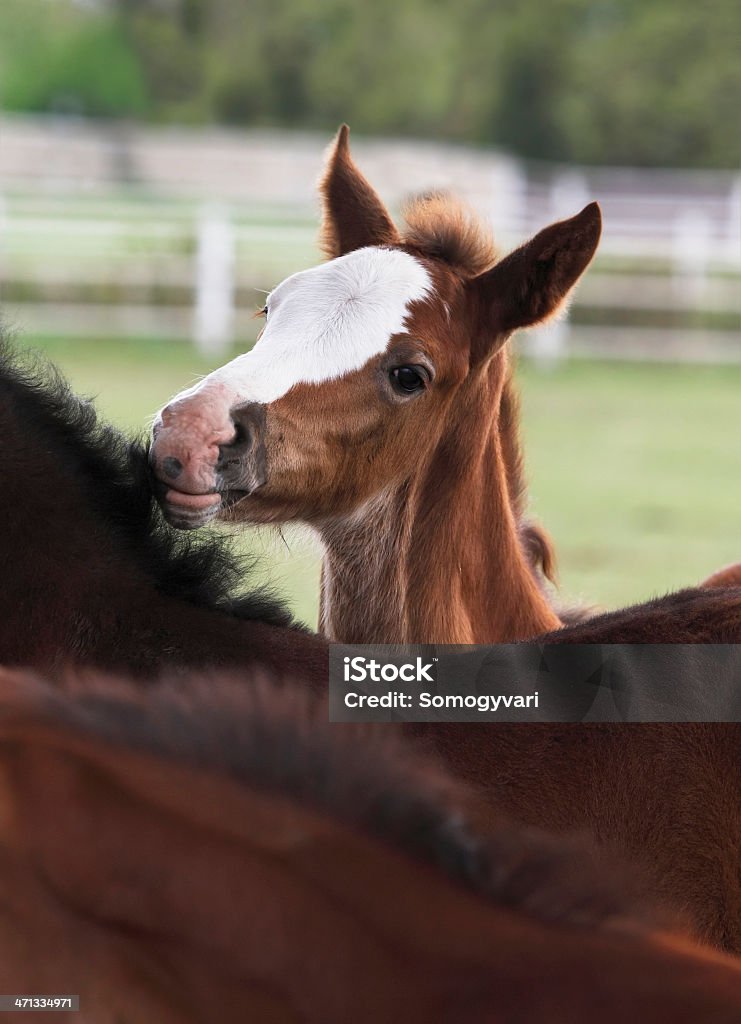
(114, 472)
(274, 737)
(441, 227)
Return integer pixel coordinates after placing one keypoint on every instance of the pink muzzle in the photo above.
(187, 439)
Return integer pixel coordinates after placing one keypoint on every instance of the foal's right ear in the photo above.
(353, 214)
(532, 283)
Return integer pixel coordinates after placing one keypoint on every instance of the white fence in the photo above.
(169, 234)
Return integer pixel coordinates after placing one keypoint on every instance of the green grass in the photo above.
(634, 469)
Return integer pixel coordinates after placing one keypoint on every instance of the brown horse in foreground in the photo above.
(209, 852)
(377, 407)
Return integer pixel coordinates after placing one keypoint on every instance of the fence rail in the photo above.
(104, 234)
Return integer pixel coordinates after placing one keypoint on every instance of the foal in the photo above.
(215, 852)
(372, 409)
(377, 406)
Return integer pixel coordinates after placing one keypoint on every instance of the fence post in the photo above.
(3, 230)
(734, 223)
(569, 193)
(692, 243)
(508, 187)
(214, 300)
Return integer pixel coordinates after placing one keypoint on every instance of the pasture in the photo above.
(635, 469)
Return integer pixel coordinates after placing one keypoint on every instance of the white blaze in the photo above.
(324, 323)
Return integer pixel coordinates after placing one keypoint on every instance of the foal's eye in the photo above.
(264, 312)
(408, 379)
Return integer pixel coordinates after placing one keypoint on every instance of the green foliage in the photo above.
(600, 81)
(657, 82)
(55, 56)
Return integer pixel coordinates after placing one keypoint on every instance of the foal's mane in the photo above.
(114, 471)
(439, 226)
(534, 539)
(277, 738)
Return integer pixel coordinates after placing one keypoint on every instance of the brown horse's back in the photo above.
(160, 887)
(698, 615)
(730, 576)
(666, 795)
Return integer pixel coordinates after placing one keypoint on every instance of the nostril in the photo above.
(172, 467)
(240, 434)
(231, 453)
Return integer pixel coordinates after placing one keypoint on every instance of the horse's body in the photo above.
(208, 852)
(90, 573)
(709, 614)
(664, 796)
(667, 796)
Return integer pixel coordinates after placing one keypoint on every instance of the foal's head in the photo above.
(367, 364)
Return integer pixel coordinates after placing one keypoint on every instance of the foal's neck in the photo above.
(438, 557)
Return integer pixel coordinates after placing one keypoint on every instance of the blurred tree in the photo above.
(656, 82)
(56, 56)
(602, 81)
(169, 37)
(605, 81)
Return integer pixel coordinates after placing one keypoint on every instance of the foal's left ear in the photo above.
(529, 285)
(353, 214)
